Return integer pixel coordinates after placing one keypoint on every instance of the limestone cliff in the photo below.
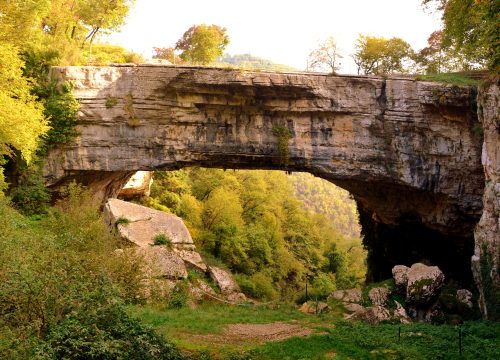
(486, 257)
(408, 151)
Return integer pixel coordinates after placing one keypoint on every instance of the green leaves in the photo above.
(202, 44)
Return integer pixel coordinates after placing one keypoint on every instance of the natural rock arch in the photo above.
(407, 150)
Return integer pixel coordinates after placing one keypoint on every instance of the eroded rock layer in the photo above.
(408, 151)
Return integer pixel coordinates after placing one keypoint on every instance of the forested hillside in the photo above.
(253, 222)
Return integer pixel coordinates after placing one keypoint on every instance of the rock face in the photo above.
(137, 187)
(379, 295)
(424, 284)
(400, 275)
(486, 259)
(140, 224)
(407, 150)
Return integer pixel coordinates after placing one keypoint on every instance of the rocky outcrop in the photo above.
(140, 225)
(408, 151)
(137, 187)
(226, 283)
(486, 259)
(378, 138)
(400, 275)
(424, 284)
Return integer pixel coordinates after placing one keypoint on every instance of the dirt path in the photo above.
(254, 333)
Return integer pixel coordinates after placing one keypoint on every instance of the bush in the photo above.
(178, 297)
(162, 239)
(258, 286)
(30, 195)
(62, 287)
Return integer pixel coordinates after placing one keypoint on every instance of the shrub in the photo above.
(30, 195)
(122, 221)
(178, 297)
(61, 291)
(162, 239)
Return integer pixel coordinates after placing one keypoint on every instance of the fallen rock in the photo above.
(161, 262)
(424, 284)
(140, 225)
(192, 259)
(224, 280)
(400, 313)
(376, 314)
(464, 296)
(353, 307)
(400, 274)
(379, 295)
(348, 296)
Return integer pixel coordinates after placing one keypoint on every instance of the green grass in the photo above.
(362, 341)
(210, 318)
(449, 78)
(333, 339)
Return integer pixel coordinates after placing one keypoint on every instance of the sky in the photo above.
(283, 31)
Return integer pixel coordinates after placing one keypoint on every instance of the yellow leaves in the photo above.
(21, 117)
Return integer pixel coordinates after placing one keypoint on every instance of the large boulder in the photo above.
(140, 225)
(401, 314)
(223, 279)
(400, 274)
(161, 262)
(424, 284)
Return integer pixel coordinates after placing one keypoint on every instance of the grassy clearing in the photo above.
(450, 78)
(333, 338)
(210, 318)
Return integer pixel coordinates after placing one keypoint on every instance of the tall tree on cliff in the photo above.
(325, 57)
(471, 28)
(377, 55)
(202, 44)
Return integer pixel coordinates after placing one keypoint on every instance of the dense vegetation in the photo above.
(253, 222)
(63, 289)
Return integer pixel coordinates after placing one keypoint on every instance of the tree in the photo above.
(21, 118)
(377, 55)
(325, 57)
(202, 44)
(471, 29)
(167, 53)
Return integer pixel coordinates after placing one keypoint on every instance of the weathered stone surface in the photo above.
(192, 259)
(347, 296)
(378, 138)
(137, 187)
(424, 284)
(162, 262)
(379, 295)
(353, 307)
(400, 274)
(145, 223)
(224, 280)
(486, 259)
(403, 148)
(465, 297)
(400, 313)
(373, 314)
(201, 291)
